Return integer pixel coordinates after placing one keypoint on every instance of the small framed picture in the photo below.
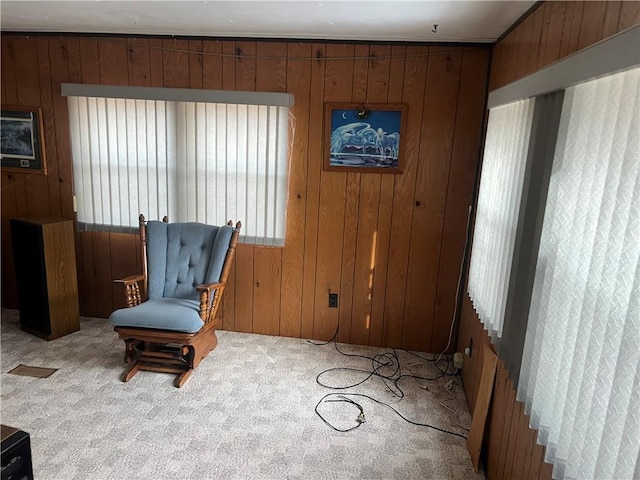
(22, 140)
(364, 137)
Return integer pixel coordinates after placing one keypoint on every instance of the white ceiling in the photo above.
(458, 21)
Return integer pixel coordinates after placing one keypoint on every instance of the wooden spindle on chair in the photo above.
(214, 302)
(136, 294)
(204, 301)
(231, 253)
(130, 296)
(143, 244)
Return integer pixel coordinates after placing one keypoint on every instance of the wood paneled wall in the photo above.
(555, 30)
(390, 245)
(551, 32)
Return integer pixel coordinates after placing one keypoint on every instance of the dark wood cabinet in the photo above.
(45, 262)
(16, 454)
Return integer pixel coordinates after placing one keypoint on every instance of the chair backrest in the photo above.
(181, 256)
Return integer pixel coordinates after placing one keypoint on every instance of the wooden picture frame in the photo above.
(365, 138)
(22, 140)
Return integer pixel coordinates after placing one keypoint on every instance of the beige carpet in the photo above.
(246, 413)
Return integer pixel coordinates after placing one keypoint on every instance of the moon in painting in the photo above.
(344, 115)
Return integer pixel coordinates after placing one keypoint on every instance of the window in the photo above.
(579, 376)
(567, 305)
(503, 168)
(193, 161)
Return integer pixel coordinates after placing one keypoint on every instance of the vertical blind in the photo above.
(498, 205)
(191, 161)
(580, 370)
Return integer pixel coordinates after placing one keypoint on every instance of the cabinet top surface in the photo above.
(6, 432)
(42, 221)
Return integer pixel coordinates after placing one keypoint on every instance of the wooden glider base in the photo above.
(166, 351)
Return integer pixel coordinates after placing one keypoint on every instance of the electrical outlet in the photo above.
(458, 360)
(333, 300)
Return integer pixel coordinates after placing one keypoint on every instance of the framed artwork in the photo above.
(364, 138)
(22, 140)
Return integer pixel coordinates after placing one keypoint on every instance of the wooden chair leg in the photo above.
(183, 377)
(130, 350)
(131, 371)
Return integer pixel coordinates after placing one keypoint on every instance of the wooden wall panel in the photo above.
(3, 94)
(9, 71)
(299, 84)
(568, 27)
(554, 30)
(244, 288)
(86, 288)
(54, 179)
(123, 263)
(509, 433)
(245, 66)
(28, 94)
(524, 446)
(550, 42)
(351, 208)
(629, 15)
(415, 71)
(366, 245)
(441, 97)
(337, 88)
(138, 59)
(314, 169)
(360, 235)
(536, 462)
(211, 65)
(267, 276)
(534, 40)
(60, 72)
(114, 64)
(611, 18)
(384, 85)
(12, 202)
(156, 63)
(522, 43)
(465, 155)
(103, 278)
(496, 421)
(176, 63)
(195, 64)
(592, 25)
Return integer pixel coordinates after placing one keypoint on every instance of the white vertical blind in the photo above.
(195, 162)
(503, 169)
(580, 370)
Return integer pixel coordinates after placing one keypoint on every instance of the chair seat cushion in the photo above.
(177, 314)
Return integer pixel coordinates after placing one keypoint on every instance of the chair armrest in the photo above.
(132, 289)
(209, 300)
(207, 287)
(131, 279)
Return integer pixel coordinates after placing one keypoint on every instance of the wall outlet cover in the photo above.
(333, 300)
(458, 360)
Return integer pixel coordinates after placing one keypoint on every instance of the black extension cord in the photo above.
(379, 361)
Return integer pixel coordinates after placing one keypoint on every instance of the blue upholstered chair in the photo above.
(185, 269)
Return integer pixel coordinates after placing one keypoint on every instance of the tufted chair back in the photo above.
(183, 255)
